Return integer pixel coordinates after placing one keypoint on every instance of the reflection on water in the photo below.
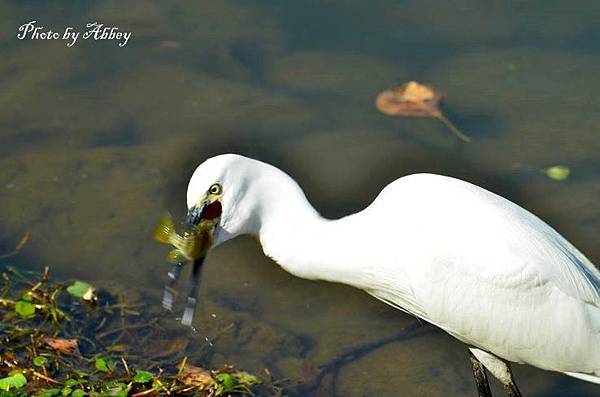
(97, 141)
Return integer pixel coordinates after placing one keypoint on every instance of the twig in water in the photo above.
(125, 366)
(144, 393)
(19, 246)
(46, 378)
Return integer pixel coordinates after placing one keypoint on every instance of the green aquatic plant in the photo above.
(24, 309)
(142, 376)
(35, 297)
(105, 365)
(82, 290)
(51, 344)
(15, 381)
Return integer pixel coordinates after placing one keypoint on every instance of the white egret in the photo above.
(476, 265)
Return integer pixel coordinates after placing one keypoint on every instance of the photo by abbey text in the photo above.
(93, 31)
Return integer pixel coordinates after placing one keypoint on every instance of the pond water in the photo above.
(99, 140)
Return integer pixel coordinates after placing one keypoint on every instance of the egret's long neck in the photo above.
(309, 246)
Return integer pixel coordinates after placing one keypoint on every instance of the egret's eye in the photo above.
(215, 189)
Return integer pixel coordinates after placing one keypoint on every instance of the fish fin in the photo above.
(176, 256)
(165, 229)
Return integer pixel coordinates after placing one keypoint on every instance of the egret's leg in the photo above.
(169, 291)
(481, 380)
(500, 369)
(190, 306)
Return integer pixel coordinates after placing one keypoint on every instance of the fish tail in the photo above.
(165, 229)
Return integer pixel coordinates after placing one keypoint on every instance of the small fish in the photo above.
(189, 246)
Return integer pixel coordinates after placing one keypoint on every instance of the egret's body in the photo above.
(460, 257)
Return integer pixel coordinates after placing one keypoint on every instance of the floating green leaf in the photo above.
(105, 365)
(226, 381)
(558, 172)
(39, 361)
(142, 376)
(81, 290)
(24, 309)
(15, 381)
(101, 365)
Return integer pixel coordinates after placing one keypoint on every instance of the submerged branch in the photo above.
(18, 247)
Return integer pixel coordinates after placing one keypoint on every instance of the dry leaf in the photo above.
(411, 99)
(67, 346)
(192, 375)
(415, 100)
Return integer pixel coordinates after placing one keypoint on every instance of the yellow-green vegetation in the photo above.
(74, 340)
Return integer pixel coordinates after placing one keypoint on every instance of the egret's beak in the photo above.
(194, 214)
(209, 209)
(206, 210)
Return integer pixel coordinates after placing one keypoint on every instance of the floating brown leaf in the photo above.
(67, 346)
(411, 99)
(415, 100)
(192, 375)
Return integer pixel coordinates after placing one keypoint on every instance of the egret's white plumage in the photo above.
(469, 261)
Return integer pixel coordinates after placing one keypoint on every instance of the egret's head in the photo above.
(219, 189)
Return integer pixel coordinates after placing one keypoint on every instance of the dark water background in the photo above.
(97, 141)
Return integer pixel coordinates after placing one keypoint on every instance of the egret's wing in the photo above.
(568, 268)
(487, 236)
(535, 301)
(392, 287)
(544, 256)
(489, 272)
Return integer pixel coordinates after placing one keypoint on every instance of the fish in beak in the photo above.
(191, 246)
